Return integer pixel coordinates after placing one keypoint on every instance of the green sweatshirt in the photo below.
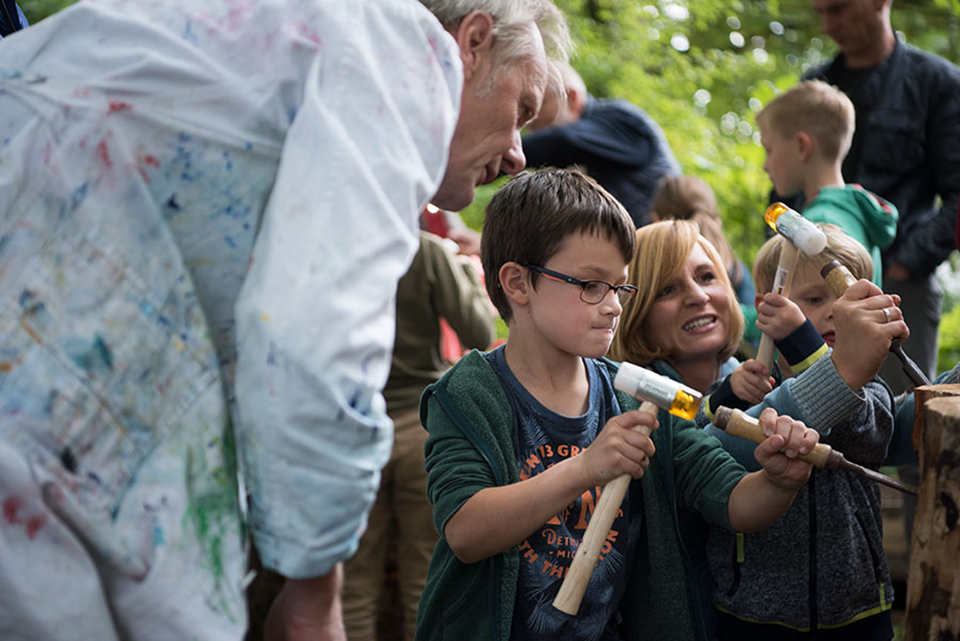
(470, 447)
(863, 215)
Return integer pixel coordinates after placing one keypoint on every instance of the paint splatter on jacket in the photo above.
(204, 210)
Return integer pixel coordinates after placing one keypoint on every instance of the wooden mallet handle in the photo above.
(581, 568)
(782, 285)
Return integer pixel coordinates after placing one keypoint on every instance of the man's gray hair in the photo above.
(512, 20)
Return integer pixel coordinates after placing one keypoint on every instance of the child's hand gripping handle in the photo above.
(823, 456)
(783, 283)
(581, 568)
(799, 235)
(655, 391)
(738, 423)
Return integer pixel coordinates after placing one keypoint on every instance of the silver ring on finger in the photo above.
(887, 314)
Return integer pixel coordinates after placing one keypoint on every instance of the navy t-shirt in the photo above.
(16, 14)
(543, 438)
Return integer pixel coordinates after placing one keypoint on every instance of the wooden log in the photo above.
(921, 395)
(933, 583)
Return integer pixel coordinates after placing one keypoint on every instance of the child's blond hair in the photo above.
(817, 109)
(840, 247)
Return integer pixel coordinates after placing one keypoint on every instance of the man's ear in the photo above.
(575, 101)
(513, 281)
(757, 299)
(474, 36)
(805, 145)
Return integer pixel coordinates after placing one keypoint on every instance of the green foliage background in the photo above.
(702, 69)
(36, 10)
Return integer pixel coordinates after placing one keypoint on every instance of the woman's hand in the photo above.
(866, 321)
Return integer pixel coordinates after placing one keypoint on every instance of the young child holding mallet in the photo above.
(834, 584)
(521, 439)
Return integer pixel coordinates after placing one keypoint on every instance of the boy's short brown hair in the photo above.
(662, 252)
(531, 216)
(840, 247)
(816, 108)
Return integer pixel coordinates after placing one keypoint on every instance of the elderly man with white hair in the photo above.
(205, 207)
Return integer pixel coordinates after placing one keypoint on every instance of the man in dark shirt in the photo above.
(615, 142)
(907, 103)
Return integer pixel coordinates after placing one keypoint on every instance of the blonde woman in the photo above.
(691, 198)
(685, 321)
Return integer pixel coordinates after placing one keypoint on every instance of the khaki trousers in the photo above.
(401, 504)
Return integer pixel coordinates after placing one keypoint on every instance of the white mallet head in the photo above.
(805, 235)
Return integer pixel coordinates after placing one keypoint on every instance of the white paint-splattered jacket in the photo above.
(217, 192)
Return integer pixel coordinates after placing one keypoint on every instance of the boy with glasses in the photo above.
(516, 457)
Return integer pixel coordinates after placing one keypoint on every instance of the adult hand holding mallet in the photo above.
(655, 391)
(800, 235)
(838, 279)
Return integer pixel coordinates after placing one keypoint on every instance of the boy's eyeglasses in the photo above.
(592, 292)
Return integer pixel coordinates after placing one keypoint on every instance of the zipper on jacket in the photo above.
(665, 436)
(812, 586)
(739, 541)
(460, 419)
(875, 558)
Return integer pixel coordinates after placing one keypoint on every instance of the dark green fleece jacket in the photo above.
(470, 447)
(864, 216)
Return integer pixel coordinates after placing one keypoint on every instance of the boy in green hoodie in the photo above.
(522, 440)
(806, 133)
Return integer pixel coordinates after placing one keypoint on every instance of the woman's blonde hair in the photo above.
(662, 252)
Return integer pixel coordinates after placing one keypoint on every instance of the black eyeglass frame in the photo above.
(619, 290)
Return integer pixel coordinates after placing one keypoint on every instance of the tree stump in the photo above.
(933, 585)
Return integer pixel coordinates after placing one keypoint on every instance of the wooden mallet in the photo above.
(655, 391)
(740, 424)
(800, 235)
(838, 279)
